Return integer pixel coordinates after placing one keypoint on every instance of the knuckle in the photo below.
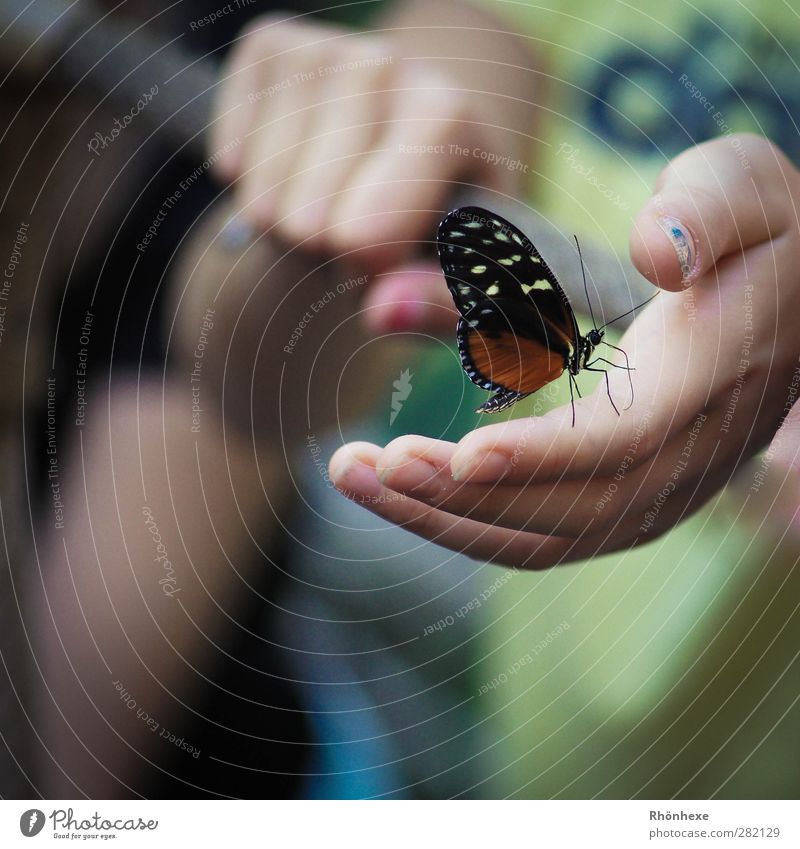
(714, 209)
(367, 49)
(426, 93)
(768, 160)
(396, 450)
(266, 29)
(291, 228)
(758, 145)
(664, 176)
(259, 214)
(345, 236)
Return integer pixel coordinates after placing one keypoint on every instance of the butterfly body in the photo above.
(517, 331)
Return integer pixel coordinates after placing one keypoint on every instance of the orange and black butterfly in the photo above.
(517, 330)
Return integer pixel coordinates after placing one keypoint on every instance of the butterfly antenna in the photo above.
(585, 285)
(630, 311)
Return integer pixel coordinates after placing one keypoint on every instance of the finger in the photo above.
(352, 470)
(410, 298)
(286, 57)
(271, 149)
(714, 199)
(420, 469)
(234, 106)
(233, 115)
(657, 513)
(554, 508)
(552, 446)
(396, 195)
(251, 75)
(346, 123)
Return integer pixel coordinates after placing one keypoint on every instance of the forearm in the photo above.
(152, 565)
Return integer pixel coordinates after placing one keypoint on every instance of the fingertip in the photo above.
(355, 452)
(375, 214)
(228, 168)
(394, 466)
(480, 457)
(708, 203)
(258, 212)
(349, 226)
(301, 225)
(352, 469)
(488, 466)
(493, 436)
(360, 243)
(409, 299)
(396, 455)
(395, 317)
(664, 248)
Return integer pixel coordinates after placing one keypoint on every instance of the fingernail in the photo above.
(353, 478)
(484, 467)
(685, 246)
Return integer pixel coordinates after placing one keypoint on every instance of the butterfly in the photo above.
(517, 331)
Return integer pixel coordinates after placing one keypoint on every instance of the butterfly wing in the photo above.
(517, 330)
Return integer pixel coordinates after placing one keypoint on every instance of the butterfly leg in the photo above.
(607, 362)
(604, 372)
(573, 383)
(627, 368)
(627, 365)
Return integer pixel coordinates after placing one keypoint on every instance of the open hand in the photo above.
(716, 371)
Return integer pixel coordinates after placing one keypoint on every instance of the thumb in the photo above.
(709, 203)
(411, 297)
